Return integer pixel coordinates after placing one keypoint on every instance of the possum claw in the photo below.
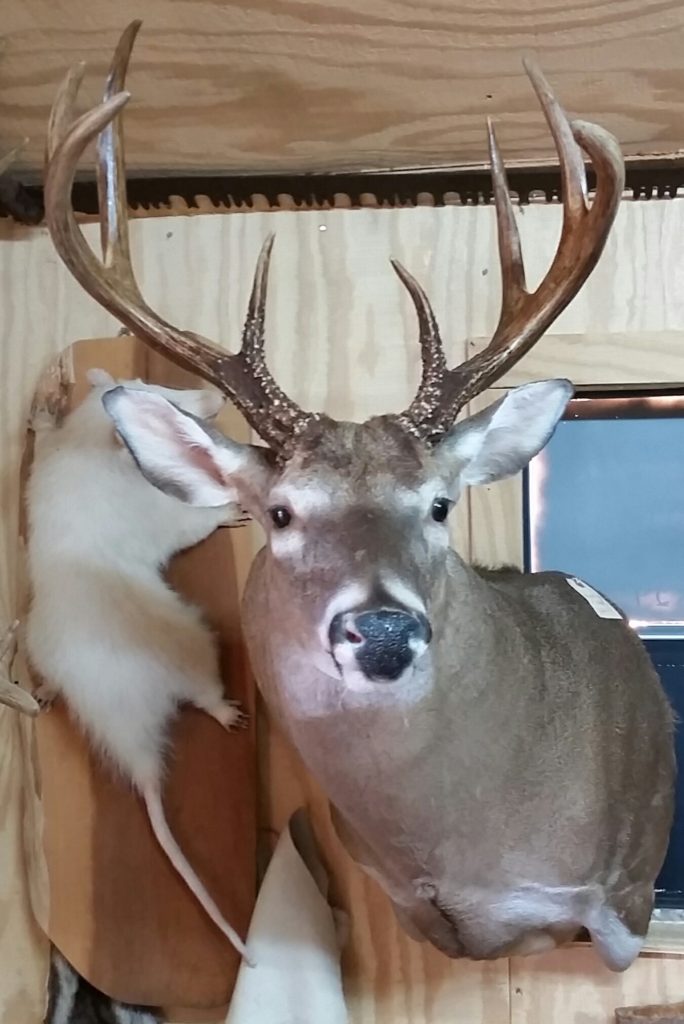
(230, 715)
(44, 696)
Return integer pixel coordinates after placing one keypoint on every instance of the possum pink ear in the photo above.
(176, 452)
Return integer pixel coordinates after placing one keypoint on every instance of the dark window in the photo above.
(605, 502)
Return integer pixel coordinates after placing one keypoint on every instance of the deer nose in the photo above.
(383, 641)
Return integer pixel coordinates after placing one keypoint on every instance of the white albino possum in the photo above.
(105, 631)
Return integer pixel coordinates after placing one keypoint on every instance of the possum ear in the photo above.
(98, 378)
(180, 455)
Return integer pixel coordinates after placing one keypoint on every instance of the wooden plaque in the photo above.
(118, 911)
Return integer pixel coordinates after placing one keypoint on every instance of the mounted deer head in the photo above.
(444, 708)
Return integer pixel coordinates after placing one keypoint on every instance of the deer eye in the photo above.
(440, 509)
(281, 516)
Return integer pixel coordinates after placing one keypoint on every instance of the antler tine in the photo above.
(524, 315)
(241, 376)
(510, 251)
(62, 113)
(573, 175)
(606, 158)
(253, 338)
(111, 175)
(432, 350)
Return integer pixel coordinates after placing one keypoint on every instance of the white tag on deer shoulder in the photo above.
(603, 608)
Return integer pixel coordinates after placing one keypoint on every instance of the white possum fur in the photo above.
(104, 630)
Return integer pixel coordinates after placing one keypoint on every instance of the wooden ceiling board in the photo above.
(318, 85)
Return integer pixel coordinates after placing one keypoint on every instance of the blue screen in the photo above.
(605, 502)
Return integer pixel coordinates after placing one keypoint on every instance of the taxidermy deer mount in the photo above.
(498, 753)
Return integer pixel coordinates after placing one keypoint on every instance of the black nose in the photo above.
(381, 639)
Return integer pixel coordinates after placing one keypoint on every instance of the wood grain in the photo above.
(624, 358)
(495, 511)
(672, 1014)
(118, 911)
(360, 84)
(341, 337)
(24, 949)
(570, 986)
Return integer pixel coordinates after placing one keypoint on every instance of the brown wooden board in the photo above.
(350, 84)
(334, 311)
(118, 911)
(671, 1014)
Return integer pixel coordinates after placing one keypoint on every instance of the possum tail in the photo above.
(155, 812)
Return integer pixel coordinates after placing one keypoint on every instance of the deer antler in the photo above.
(244, 376)
(525, 316)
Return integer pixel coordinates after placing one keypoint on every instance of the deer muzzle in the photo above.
(382, 643)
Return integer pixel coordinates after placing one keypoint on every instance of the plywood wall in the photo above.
(349, 84)
(341, 338)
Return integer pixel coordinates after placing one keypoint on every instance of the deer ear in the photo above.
(176, 453)
(500, 441)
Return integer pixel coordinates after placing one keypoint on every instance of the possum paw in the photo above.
(230, 715)
(44, 696)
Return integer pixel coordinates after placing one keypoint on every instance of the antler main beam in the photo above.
(243, 376)
(525, 316)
